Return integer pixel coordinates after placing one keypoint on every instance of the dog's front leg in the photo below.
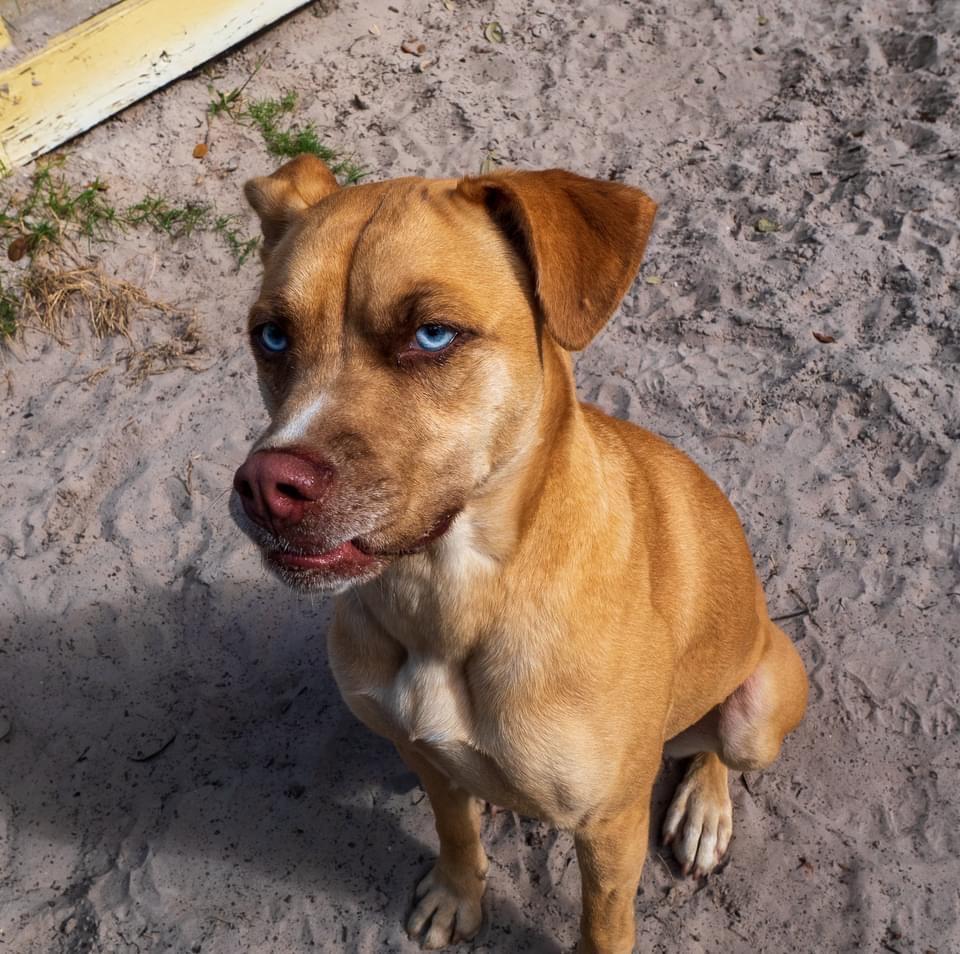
(447, 906)
(611, 851)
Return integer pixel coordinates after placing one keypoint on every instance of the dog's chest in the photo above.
(428, 701)
(473, 713)
(532, 765)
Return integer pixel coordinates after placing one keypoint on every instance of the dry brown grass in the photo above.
(53, 287)
(183, 349)
(57, 290)
(53, 294)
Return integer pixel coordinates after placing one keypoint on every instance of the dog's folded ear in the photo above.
(280, 198)
(583, 240)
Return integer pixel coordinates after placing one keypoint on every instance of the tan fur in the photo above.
(595, 596)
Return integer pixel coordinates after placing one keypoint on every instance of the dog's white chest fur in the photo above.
(427, 701)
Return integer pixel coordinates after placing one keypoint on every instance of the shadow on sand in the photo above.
(198, 729)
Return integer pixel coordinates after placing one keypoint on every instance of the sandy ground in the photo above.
(136, 621)
(32, 23)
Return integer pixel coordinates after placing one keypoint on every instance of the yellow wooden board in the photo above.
(112, 60)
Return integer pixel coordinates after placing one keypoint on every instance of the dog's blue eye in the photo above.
(272, 338)
(434, 337)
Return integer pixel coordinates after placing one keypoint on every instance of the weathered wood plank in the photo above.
(114, 59)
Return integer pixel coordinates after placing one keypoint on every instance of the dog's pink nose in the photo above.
(277, 488)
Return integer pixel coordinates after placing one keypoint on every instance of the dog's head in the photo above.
(399, 336)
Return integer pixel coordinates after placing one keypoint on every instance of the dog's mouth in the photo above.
(345, 560)
(352, 559)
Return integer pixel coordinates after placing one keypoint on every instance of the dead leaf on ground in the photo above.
(493, 32)
(374, 30)
(413, 47)
(18, 248)
(200, 150)
(451, 5)
(824, 339)
(767, 225)
(653, 279)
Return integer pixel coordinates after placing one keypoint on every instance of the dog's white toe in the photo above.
(442, 913)
(699, 822)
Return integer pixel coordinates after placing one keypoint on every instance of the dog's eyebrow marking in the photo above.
(418, 303)
(296, 427)
(271, 307)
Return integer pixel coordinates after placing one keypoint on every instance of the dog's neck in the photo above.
(513, 515)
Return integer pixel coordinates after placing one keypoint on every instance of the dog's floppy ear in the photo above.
(280, 198)
(582, 238)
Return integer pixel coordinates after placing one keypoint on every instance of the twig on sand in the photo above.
(804, 604)
(150, 756)
(780, 619)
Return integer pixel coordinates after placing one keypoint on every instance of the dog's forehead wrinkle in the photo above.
(353, 252)
(456, 268)
(312, 275)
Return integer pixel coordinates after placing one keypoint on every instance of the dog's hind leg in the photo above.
(756, 717)
(743, 733)
(447, 906)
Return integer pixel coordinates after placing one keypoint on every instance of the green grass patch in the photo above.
(179, 221)
(286, 139)
(55, 211)
(230, 104)
(55, 206)
(176, 221)
(283, 137)
(239, 245)
(41, 221)
(225, 103)
(268, 113)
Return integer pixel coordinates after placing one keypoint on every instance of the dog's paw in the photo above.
(446, 911)
(700, 819)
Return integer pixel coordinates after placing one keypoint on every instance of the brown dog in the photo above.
(536, 598)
